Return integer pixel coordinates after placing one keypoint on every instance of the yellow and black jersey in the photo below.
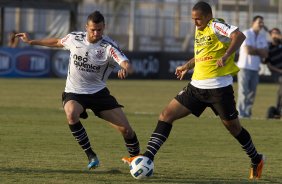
(210, 45)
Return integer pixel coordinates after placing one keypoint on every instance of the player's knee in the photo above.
(233, 126)
(166, 116)
(127, 132)
(72, 117)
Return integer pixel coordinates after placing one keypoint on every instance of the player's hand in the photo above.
(126, 68)
(24, 37)
(122, 73)
(221, 62)
(180, 72)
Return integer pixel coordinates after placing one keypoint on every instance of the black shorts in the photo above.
(220, 100)
(97, 102)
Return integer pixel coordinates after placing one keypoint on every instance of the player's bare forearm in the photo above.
(49, 42)
(190, 64)
(181, 71)
(237, 38)
(126, 68)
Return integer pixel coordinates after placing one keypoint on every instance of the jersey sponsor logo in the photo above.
(79, 36)
(81, 63)
(199, 34)
(32, 63)
(6, 63)
(202, 41)
(220, 29)
(206, 58)
(199, 51)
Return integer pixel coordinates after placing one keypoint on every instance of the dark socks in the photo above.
(132, 146)
(246, 142)
(158, 137)
(81, 137)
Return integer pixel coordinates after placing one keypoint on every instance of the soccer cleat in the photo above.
(256, 169)
(93, 163)
(128, 160)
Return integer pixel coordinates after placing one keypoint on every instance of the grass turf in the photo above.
(36, 145)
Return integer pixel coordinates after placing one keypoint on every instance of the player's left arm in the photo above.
(237, 38)
(118, 56)
(126, 68)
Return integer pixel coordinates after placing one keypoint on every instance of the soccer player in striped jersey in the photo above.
(211, 85)
(93, 57)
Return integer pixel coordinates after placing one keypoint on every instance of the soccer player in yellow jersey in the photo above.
(211, 85)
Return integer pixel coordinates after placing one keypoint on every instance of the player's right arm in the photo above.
(182, 70)
(48, 42)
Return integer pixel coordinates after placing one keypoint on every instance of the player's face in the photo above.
(94, 31)
(200, 20)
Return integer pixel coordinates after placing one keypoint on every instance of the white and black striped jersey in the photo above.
(90, 64)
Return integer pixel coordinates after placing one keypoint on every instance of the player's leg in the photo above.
(244, 138)
(179, 107)
(73, 110)
(119, 121)
(172, 112)
(224, 105)
(185, 103)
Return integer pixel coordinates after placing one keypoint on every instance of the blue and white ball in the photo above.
(141, 167)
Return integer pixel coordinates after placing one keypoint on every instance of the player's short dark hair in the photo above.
(204, 7)
(96, 17)
(257, 17)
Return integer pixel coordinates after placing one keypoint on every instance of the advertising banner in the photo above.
(26, 62)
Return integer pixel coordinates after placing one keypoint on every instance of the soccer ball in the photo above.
(141, 167)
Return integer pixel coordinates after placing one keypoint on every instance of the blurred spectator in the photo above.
(252, 52)
(274, 63)
(13, 41)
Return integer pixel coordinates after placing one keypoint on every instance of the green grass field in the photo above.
(36, 145)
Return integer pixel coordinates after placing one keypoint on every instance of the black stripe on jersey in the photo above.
(105, 71)
(110, 43)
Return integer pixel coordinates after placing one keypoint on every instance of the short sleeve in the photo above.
(223, 28)
(66, 41)
(117, 55)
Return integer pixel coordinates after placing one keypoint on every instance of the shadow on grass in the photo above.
(192, 180)
(179, 179)
(58, 171)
